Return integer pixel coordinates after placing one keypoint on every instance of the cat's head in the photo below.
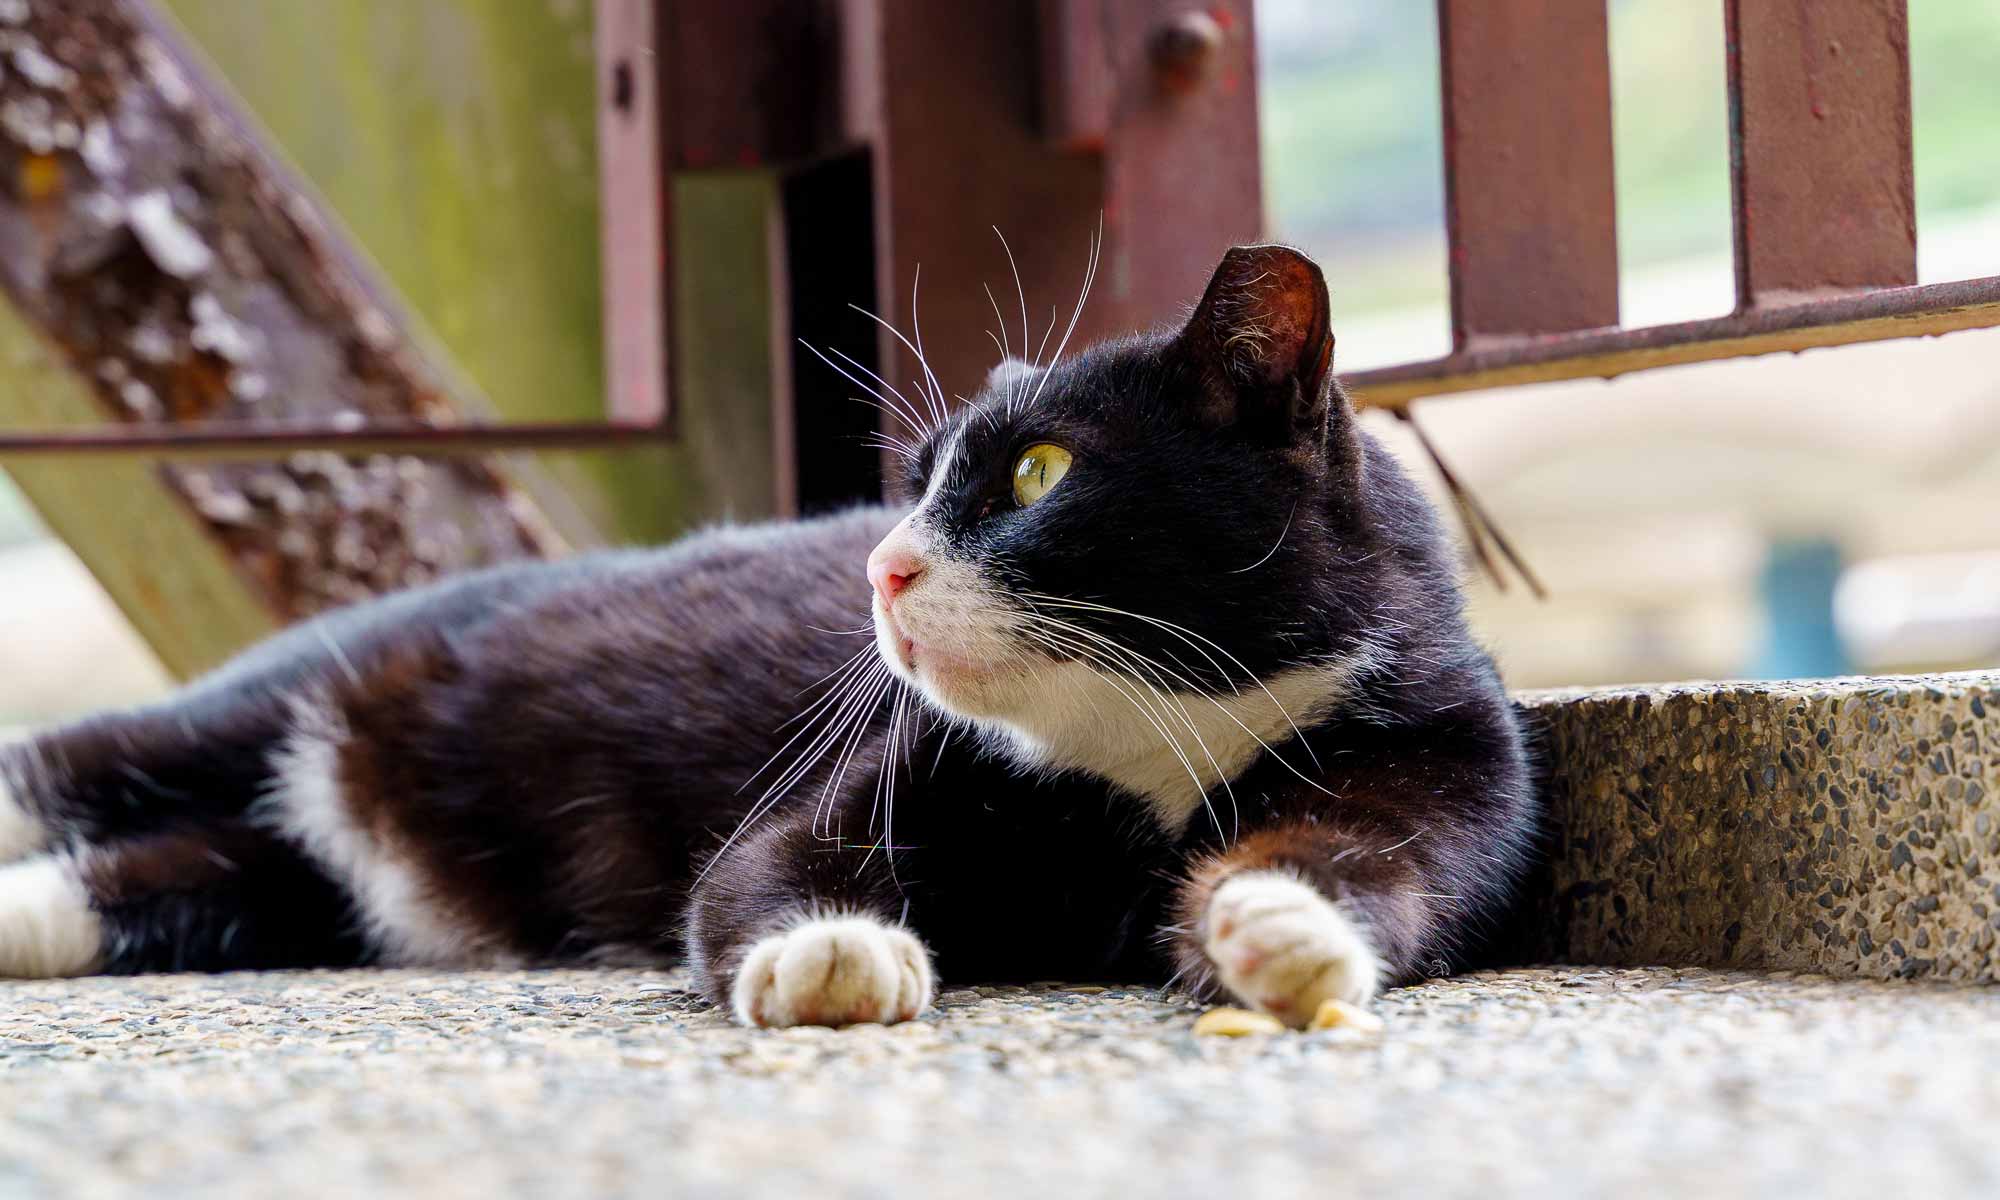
(1155, 516)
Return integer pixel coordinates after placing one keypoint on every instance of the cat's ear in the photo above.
(1262, 340)
(1008, 375)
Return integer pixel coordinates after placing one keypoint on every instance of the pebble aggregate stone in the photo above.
(1563, 1081)
(1846, 826)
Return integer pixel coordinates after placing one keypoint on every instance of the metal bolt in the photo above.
(1184, 49)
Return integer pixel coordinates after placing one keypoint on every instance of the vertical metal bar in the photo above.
(1530, 203)
(1182, 179)
(635, 203)
(748, 82)
(958, 151)
(1075, 74)
(1819, 113)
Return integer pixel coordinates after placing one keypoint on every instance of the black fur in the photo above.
(558, 751)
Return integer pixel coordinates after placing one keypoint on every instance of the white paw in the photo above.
(47, 927)
(833, 971)
(1280, 946)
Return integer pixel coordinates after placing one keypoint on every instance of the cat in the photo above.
(1157, 672)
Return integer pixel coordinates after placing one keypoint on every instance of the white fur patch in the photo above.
(47, 927)
(833, 970)
(1279, 945)
(21, 833)
(405, 921)
(1171, 746)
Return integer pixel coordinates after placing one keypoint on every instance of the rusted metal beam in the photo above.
(947, 97)
(1820, 147)
(244, 439)
(750, 83)
(1867, 317)
(1529, 196)
(635, 214)
(1075, 73)
(172, 271)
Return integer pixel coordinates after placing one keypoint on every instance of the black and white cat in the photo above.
(1168, 677)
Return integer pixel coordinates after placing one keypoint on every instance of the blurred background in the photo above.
(1828, 512)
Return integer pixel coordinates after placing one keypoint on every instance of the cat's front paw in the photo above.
(1279, 945)
(833, 971)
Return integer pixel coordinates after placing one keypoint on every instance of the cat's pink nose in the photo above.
(891, 571)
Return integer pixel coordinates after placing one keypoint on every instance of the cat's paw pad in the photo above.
(833, 971)
(1279, 945)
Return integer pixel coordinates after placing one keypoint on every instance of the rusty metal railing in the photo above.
(1822, 194)
(1042, 116)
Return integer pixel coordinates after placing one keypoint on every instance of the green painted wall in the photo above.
(455, 139)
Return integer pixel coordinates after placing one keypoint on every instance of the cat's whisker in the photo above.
(1005, 351)
(892, 448)
(900, 406)
(897, 738)
(845, 757)
(847, 734)
(1272, 552)
(1187, 719)
(852, 662)
(917, 326)
(844, 633)
(1155, 717)
(845, 710)
(1046, 335)
(918, 422)
(1018, 289)
(840, 710)
(1083, 296)
(1192, 687)
(924, 429)
(862, 702)
(1191, 638)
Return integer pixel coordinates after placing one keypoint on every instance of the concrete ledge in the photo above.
(1842, 826)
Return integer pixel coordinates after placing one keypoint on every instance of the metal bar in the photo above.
(952, 92)
(1075, 73)
(1881, 315)
(636, 206)
(1820, 147)
(276, 440)
(1868, 317)
(1530, 208)
(749, 83)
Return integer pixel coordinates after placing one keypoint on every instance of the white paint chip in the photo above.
(172, 244)
(41, 70)
(99, 150)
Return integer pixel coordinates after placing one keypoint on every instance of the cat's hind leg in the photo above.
(226, 898)
(180, 764)
(22, 832)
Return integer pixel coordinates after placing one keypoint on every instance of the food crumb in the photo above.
(1235, 1022)
(1338, 1014)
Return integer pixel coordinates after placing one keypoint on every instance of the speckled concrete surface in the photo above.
(1568, 1082)
(1847, 826)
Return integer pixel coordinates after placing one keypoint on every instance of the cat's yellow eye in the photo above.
(1042, 466)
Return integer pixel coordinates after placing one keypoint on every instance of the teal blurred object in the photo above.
(1796, 584)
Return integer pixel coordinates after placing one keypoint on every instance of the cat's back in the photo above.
(783, 589)
(768, 590)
